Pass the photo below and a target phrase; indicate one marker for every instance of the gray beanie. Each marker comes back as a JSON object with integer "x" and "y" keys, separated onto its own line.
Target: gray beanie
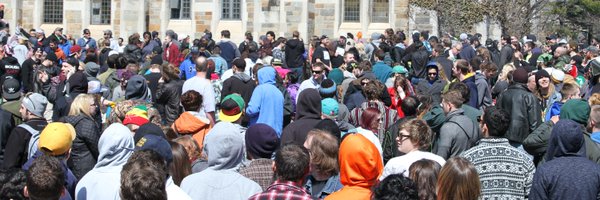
{"x": 35, "y": 103}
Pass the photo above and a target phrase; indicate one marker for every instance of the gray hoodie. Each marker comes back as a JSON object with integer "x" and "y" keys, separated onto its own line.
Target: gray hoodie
{"x": 224, "y": 146}
{"x": 104, "y": 181}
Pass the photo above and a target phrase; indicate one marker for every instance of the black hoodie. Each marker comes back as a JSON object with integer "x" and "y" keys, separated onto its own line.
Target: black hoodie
{"x": 308, "y": 115}
{"x": 294, "y": 49}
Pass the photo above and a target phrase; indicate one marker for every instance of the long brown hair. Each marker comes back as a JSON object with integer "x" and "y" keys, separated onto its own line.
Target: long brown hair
{"x": 180, "y": 167}
{"x": 323, "y": 148}
{"x": 458, "y": 180}
{"x": 425, "y": 173}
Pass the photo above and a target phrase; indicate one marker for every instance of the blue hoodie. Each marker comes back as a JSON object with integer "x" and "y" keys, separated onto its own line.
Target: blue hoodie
{"x": 187, "y": 68}
{"x": 266, "y": 103}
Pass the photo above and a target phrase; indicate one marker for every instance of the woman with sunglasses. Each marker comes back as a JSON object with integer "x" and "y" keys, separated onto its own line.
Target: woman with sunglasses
{"x": 413, "y": 140}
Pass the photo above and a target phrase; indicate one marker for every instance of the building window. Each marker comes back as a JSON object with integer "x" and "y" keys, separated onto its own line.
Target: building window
{"x": 352, "y": 11}
{"x": 180, "y": 9}
{"x": 53, "y": 11}
{"x": 380, "y": 11}
{"x": 231, "y": 9}
{"x": 100, "y": 12}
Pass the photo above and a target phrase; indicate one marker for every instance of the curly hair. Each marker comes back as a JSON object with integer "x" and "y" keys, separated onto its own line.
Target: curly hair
{"x": 12, "y": 182}
{"x": 191, "y": 100}
{"x": 373, "y": 89}
{"x": 395, "y": 187}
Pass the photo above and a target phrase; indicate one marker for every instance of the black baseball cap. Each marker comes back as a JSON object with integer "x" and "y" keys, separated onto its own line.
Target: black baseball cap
{"x": 11, "y": 89}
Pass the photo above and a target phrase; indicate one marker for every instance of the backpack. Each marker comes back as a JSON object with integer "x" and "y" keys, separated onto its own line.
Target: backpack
{"x": 33, "y": 142}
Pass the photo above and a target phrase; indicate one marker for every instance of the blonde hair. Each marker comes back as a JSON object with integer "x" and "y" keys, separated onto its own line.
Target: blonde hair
{"x": 81, "y": 105}
{"x": 191, "y": 147}
{"x": 324, "y": 149}
{"x": 506, "y": 70}
{"x": 594, "y": 99}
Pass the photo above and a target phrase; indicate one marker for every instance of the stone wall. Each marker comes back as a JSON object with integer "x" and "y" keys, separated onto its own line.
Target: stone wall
{"x": 324, "y": 18}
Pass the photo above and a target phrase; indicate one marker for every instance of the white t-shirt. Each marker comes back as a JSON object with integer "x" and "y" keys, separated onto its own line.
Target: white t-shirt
{"x": 205, "y": 88}
{"x": 401, "y": 164}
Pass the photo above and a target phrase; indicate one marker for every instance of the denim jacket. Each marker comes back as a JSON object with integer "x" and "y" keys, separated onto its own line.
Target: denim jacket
{"x": 333, "y": 184}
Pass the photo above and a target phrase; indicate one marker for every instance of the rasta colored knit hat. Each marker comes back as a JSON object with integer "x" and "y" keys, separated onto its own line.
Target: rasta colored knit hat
{"x": 138, "y": 115}
{"x": 261, "y": 140}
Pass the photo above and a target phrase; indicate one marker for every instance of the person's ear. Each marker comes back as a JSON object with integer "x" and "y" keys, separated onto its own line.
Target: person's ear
{"x": 274, "y": 167}
{"x": 25, "y": 192}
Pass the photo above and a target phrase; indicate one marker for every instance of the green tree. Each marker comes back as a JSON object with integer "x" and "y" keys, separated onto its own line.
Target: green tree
{"x": 454, "y": 16}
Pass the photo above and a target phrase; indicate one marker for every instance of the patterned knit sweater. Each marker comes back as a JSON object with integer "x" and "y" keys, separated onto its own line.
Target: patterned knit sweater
{"x": 505, "y": 172}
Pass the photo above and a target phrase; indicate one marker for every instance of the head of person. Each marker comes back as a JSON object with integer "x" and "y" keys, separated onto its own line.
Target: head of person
{"x": 359, "y": 160}
{"x": 542, "y": 79}
{"x": 225, "y": 34}
{"x": 461, "y": 67}
{"x": 452, "y": 100}
{"x": 239, "y": 65}
{"x": 331, "y": 127}
{"x": 86, "y": 33}
{"x": 136, "y": 117}
{"x": 137, "y": 88}
{"x": 191, "y": 100}
{"x": 181, "y": 166}
{"x": 84, "y": 104}
{"x": 292, "y": 163}
{"x": 395, "y": 187}
{"x": 56, "y": 140}
{"x": 261, "y": 141}
{"x": 432, "y": 72}
{"x": 191, "y": 147}
{"x": 379, "y": 55}
{"x": 329, "y": 108}
{"x": 144, "y": 177}
{"x": 370, "y": 119}
{"x": 570, "y": 91}
{"x": 270, "y": 35}
{"x": 12, "y": 183}
{"x": 201, "y": 64}
{"x": 169, "y": 73}
{"x": 566, "y": 140}
{"x": 425, "y": 174}
{"x": 495, "y": 122}
{"x": 224, "y": 147}
{"x": 114, "y": 146}
{"x": 577, "y": 110}
{"x": 318, "y": 71}
{"x": 414, "y": 135}
{"x": 410, "y": 106}
{"x": 33, "y": 105}
{"x": 348, "y": 57}
{"x": 323, "y": 148}
{"x": 372, "y": 89}
{"x": 458, "y": 179}
{"x": 489, "y": 69}
{"x": 232, "y": 108}
{"x": 594, "y": 121}
{"x": 45, "y": 179}
{"x": 107, "y": 34}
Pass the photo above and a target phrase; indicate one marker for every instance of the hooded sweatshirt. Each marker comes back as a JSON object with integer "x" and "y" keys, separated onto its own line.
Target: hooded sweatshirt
{"x": 224, "y": 146}
{"x": 360, "y": 167}
{"x": 137, "y": 89}
{"x": 294, "y": 49}
{"x": 567, "y": 174}
{"x": 239, "y": 83}
{"x": 308, "y": 115}
{"x": 91, "y": 71}
{"x": 266, "y": 104}
{"x": 115, "y": 147}
{"x": 192, "y": 123}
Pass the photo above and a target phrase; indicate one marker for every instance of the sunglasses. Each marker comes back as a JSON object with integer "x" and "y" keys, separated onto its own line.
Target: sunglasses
{"x": 432, "y": 74}
{"x": 403, "y": 137}
{"x": 317, "y": 72}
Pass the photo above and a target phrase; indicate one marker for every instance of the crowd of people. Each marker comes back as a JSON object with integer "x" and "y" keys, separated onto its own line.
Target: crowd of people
{"x": 392, "y": 116}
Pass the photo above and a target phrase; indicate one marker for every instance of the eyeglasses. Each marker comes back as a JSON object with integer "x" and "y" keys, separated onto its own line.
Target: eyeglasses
{"x": 403, "y": 137}
{"x": 317, "y": 72}
{"x": 432, "y": 74}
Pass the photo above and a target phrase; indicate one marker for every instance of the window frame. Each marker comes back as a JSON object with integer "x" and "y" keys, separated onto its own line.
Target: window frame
{"x": 372, "y": 10}
{"x": 51, "y": 16}
{"x": 230, "y": 7}
{"x": 104, "y": 13}
{"x": 183, "y": 10}
{"x": 345, "y": 10}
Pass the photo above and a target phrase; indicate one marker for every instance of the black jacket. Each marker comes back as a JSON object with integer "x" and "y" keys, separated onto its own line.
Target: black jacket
{"x": 133, "y": 53}
{"x": 524, "y": 110}
{"x": 27, "y": 73}
{"x": 294, "y": 50}
{"x": 168, "y": 95}
{"x": 308, "y": 115}
{"x": 84, "y": 151}
{"x": 15, "y": 154}
{"x": 506, "y": 55}
{"x": 418, "y": 60}
{"x": 6, "y": 125}
{"x": 446, "y": 65}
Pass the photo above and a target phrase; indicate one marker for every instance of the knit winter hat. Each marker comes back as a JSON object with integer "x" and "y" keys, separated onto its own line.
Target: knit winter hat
{"x": 520, "y": 76}
{"x": 91, "y": 69}
{"x": 541, "y": 74}
{"x": 78, "y": 83}
{"x": 261, "y": 140}
{"x": 329, "y": 107}
{"x": 336, "y": 75}
{"x": 399, "y": 69}
{"x": 138, "y": 115}
{"x": 137, "y": 88}
{"x": 327, "y": 87}
{"x": 35, "y": 103}
{"x": 577, "y": 110}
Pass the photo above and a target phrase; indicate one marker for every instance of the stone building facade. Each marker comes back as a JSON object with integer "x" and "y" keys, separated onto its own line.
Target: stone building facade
{"x": 193, "y": 17}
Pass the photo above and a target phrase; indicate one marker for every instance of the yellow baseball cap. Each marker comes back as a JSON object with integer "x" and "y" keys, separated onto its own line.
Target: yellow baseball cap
{"x": 56, "y": 138}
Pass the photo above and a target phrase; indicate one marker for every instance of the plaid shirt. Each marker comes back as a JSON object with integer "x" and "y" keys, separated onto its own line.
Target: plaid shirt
{"x": 283, "y": 190}
{"x": 260, "y": 171}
